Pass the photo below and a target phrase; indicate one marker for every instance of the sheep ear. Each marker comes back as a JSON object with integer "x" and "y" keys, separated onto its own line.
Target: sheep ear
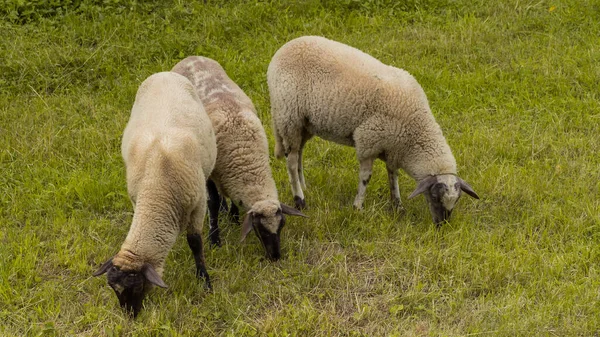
{"x": 104, "y": 268}
{"x": 467, "y": 189}
{"x": 247, "y": 225}
{"x": 291, "y": 210}
{"x": 152, "y": 276}
{"x": 423, "y": 186}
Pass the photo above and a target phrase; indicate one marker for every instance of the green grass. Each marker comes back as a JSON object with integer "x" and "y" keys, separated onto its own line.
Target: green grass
{"x": 514, "y": 85}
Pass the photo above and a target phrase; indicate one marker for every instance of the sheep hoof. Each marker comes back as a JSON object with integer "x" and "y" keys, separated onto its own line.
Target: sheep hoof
{"x": 397, "y": 208}
{"x": 215, "y": 238}
{"x": 203, "y": 275}
{"x": 300, "y": 203}
{"x": 208, "y": 286}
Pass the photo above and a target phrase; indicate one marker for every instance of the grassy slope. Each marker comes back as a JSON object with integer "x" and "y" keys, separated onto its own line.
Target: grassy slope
{"x": 513, "y": 84}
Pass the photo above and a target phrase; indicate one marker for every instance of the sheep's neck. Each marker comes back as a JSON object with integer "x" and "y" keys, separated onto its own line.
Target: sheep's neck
{"x": 426, "y": 153}
{"x": 246, "y": 188}
{"x": 154, "y": 230}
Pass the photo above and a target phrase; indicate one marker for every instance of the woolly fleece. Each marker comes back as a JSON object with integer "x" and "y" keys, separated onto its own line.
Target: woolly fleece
{"x": 326, "y": 88}
{"x": 169, "y": 150}
{"x": 242, "y": 172}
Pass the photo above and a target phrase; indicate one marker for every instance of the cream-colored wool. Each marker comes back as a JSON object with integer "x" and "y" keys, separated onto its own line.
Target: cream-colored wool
{"x": 242, "y": 172}
{"x": 169, "y": 150}
{"x": 339, "y": 93}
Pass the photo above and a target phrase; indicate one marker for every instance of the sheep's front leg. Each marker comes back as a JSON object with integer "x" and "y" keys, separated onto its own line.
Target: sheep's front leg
{"x": 214, "y": 203}
{"x": 364, "y": 175}
{"x": 394, "y": 190}
{"x": 194, "y": 239}
{"x": 292, "y": 168}
{"x": 234, "y": 213}
{"x": 223, "y": 207}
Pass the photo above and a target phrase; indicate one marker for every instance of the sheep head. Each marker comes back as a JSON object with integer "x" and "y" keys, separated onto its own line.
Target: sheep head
{"x": 131, "y": 286}
{"x": 267, "y": 219}
{"x": 442, "y": 193}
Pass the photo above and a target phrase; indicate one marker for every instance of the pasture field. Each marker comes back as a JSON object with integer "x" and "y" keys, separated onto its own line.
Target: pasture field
{"x": 514, "y": 84}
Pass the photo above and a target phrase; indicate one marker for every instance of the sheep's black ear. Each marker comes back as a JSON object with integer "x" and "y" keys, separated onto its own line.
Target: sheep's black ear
{"x": 152, "y": 276}
{"x": 247, "y": 225}
{"x": 291, "y": 210}
{"x": 104, "y": 268}
{"x": 423, "y": 186}
{"x": 467, "y": 189}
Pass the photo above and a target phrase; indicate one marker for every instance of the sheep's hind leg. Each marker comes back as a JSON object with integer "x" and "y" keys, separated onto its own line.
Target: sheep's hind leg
{"x": 305, "y": 137}
{"x": 279, "y": 152}
{"x": 364, "y": 175}
{"x": 214, "y": 203}
{"x": 292, "y": 168}
{"x": 394, "y": 190}
{"x": 194, "y": 239}
{"x": 301, "y": 171}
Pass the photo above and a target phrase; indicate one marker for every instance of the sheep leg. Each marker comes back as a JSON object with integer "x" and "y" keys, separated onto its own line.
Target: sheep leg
{"x": 301, "y": 170}
{"x": 364, "y": 175}
{"x": 394, "y": 190}
{"x": 234, "y": 213}
{"x": 223, "y": 204}
{"x": 305, "y": 137}
{"x": 214, "y": 203}
{"x": 279, "y": 152}
{"x": 195, "y": 243}
{"x": 292, "y": 168}
{"x": 194, "y": 239}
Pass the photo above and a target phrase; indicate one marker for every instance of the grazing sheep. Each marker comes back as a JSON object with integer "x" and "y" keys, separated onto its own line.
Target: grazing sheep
{"x": 325, "y": 88}
{"x": 242, "y": 172}
{"x": 169, "y": 150}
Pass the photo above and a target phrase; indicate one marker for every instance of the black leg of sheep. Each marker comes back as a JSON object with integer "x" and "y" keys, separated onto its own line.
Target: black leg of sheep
{"x": 195, "y": 243}
{"x": 234, "y": 213}
{"x": 214, "y": 204}
{"x": 223, "y": 207}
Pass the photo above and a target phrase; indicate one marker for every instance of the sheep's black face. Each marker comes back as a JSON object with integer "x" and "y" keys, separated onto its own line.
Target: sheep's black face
{"x": 267, "y": 219}
{"x": 442, "y": 199}
{"x": 270, "y": 240}
{"x": 442, "y": 193}
{"x": 130, "y": 288}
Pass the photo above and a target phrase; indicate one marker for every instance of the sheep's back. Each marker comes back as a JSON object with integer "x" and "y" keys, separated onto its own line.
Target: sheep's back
{"x": 335, "y": 87}
{"x": 168, "y": 122}
{"x": 242, "y": 170}
{"x": 210, "y": 80}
